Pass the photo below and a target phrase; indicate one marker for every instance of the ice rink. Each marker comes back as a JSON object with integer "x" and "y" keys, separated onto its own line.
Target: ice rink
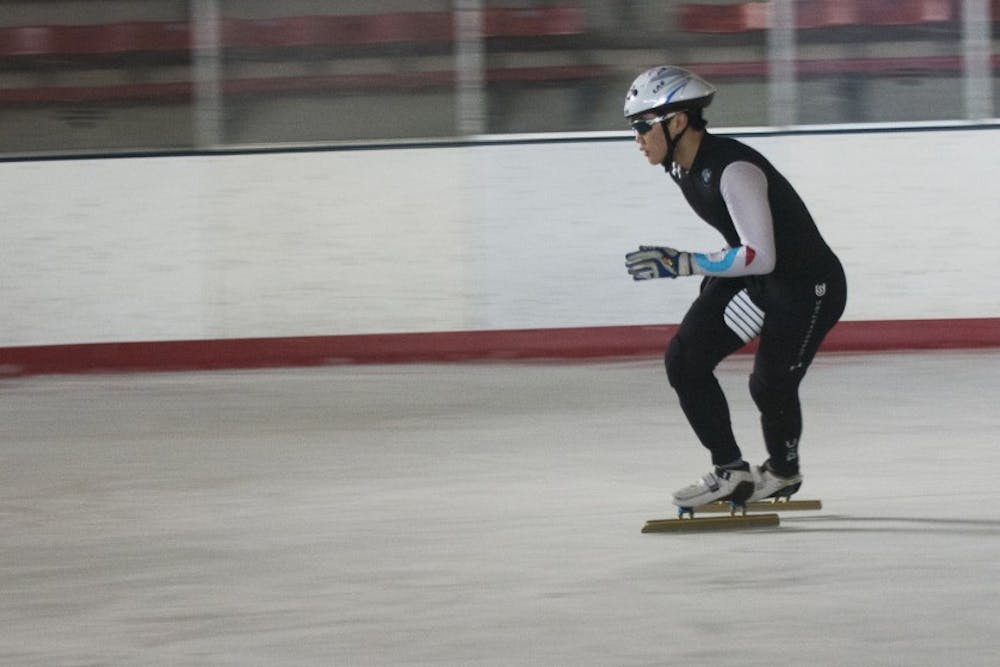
{"x": 489, "y": 514}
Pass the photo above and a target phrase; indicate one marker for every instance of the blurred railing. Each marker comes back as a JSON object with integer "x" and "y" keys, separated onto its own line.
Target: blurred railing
{"x": 210, "y": 73}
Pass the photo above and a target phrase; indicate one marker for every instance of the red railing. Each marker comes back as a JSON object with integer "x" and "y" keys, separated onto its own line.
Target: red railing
{"x": 290, "y": 85}
{"x": 813, "y": 14}
{"x": 330, "y": 31}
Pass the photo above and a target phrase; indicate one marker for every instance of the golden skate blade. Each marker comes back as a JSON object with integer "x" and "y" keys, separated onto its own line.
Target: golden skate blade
{"x": 770, "y": 505}
{"x": 711, "y": 523}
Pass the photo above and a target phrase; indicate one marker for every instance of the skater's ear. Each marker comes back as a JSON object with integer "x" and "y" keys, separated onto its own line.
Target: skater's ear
{"x": 679, "y": 122}
{"x": 694, "y": 119}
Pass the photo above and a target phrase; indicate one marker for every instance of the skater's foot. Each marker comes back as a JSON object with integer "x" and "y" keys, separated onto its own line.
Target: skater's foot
{"x": 771, "y": 484}
{"x": 735, "y": 484}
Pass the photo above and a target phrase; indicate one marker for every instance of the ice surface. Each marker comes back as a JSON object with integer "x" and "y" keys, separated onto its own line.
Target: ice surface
{"x": 489, "y": 514}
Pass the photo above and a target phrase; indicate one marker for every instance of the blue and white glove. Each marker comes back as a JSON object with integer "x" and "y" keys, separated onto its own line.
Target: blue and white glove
{"x": 651, "y": 261}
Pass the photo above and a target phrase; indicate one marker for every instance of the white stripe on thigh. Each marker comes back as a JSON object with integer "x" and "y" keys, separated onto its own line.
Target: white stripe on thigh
{"x": 744, "y": 317}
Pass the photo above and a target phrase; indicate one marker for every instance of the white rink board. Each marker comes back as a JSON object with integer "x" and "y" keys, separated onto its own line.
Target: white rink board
{"x": 461, "y": 238}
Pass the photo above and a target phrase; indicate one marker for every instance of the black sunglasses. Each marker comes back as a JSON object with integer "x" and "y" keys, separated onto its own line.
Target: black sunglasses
{"x": 644, "y": 125}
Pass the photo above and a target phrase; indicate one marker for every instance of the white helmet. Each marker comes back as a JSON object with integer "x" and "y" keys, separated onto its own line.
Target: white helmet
{"x": 665, "y": 89}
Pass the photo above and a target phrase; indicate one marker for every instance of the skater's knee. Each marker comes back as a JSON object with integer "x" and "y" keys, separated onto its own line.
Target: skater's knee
{"x": 672, "y": 361}
{"x": 773, "y": 398}
{"x": 685, "y": 364}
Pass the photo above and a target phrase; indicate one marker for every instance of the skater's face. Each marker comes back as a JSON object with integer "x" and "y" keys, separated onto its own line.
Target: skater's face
{"x": 650, "y": 137}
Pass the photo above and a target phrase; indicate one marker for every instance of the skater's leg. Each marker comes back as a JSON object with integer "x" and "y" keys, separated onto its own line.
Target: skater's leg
{"x": 701, "y": 342}
{"x": 690, "y": 371}
{"x": 777, "y": 398}
{"x": 790, "y": 338}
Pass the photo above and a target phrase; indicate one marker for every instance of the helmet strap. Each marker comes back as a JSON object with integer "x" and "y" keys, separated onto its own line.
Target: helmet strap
{"x": 671, "y": 143}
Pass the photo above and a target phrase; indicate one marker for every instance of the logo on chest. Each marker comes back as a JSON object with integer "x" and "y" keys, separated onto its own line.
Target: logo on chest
{"x": 706, "y": 176}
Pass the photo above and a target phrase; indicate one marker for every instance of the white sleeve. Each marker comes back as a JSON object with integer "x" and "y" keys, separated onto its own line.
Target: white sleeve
{"x": 744, "y": 189}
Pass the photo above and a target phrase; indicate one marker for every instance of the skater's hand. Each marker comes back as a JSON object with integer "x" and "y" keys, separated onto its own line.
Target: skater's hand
{"x": 651, "y": 261}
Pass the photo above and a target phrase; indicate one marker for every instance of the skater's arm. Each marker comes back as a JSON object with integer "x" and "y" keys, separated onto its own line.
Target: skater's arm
{"x": 744, "y": 189}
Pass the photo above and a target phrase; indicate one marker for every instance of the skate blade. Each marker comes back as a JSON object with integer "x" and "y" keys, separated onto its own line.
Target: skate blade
{"x": 769, "y": 505}
{"x": 697, "y": 524}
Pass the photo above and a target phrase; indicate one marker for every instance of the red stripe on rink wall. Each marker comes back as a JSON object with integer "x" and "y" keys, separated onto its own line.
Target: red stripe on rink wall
{"x": 566, "y": 344}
